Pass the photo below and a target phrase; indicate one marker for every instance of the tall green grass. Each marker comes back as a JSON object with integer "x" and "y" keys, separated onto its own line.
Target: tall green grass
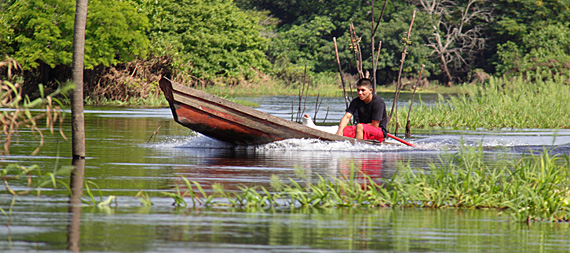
{"x": 499, "y": 103}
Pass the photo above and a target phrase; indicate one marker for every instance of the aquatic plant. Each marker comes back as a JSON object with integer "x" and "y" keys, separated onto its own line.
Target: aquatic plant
{"x": 534, "y": 188}
{"x": 31, "y": 179}
{"x": 144, "y": 198}
{"x": 499, "y": 103}
{"x": 20, "y": 113}
{"x": 179, "y": 196}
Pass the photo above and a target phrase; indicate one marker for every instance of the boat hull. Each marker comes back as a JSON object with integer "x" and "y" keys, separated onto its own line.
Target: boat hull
{"x": 234, "y": 123}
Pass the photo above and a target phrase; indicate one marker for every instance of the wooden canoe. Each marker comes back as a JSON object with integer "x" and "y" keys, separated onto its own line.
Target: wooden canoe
{"x": 234, "y": 123}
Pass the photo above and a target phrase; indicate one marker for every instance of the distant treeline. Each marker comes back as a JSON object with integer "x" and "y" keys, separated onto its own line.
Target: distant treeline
{"x": 204, "y": 40}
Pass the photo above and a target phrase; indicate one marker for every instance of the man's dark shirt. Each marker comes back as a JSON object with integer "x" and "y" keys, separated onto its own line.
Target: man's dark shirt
{"x": 366, "y": 113}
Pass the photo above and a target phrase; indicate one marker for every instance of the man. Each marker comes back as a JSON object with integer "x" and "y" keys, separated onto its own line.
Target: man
{"x": 371, "y": 114}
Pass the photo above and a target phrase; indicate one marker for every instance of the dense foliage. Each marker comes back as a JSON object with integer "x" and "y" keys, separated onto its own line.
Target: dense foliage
{"x": 207, "y": 38}
{"x": 238, "y": 39}
{"x": 41, "y": 31}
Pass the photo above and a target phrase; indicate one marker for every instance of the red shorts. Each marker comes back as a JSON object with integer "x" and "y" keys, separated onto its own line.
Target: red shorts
{"x": 370, "y": 132}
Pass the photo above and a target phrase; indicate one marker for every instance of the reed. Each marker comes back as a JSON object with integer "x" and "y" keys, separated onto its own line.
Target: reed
{"x": 500, "y": 103}
{"x": 21, "y": 115}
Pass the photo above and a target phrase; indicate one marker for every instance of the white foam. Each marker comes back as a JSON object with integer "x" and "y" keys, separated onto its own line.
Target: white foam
{"x": 318, "y": 145}
{"x": 193, "y": 141}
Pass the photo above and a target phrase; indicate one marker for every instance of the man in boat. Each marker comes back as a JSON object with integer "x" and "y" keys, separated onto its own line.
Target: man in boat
{"x": 370, "y": 111}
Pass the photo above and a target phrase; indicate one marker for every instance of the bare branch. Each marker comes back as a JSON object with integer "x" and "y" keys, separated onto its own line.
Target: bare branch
{"x": 457, "y": 37}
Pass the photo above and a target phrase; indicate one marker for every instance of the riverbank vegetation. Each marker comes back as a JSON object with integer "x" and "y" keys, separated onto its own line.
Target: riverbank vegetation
{"x": 226, "y": 45}
{"x": 500, "y": 103}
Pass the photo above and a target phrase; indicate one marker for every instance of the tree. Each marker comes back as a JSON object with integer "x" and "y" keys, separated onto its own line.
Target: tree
{"x": 307, "y": 44}
{"x": 41, "y": 31}
{"x": 544, "y": 50}
{"x": 458, "y": 34}
{"x": 531, "y": 36}
{"x": 307, "y": 28}
{"x": 207, "y": 38}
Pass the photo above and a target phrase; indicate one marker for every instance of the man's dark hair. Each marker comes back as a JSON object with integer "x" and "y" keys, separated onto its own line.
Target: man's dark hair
{"x": 364, "y": 82}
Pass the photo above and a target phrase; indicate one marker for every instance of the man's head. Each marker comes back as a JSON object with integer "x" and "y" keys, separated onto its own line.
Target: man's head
{"x": 364, "y": 88}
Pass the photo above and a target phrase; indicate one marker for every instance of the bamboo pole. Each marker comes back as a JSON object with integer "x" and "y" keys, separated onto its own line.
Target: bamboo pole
{"x": 375, "y": 65}
{"x": 408, "y": 133}
{"x": 357, "y": 53}
{"x": 373, "y": 79}
{"x": 340, "y": 72}
{"x": 374, "y": 28}
{"x": 380, "y": 19}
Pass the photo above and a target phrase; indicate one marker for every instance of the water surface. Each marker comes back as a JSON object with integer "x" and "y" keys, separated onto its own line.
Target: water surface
{"x": 123, "y": 159}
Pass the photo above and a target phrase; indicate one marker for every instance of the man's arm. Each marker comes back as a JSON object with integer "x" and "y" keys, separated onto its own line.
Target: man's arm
{"x": 343, "y": 123}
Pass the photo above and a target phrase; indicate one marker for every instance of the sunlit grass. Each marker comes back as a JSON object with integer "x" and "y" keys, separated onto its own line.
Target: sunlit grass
{"x": 534, "y": 188}
{"x": 500, "y": 103}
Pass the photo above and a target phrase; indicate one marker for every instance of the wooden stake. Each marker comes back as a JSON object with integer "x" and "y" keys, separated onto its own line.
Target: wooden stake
{"x": 399, "y": 84}
{"x": 408, "y": 123}
{"x": 357, "y": 53}
{"x": 340, "y": 72}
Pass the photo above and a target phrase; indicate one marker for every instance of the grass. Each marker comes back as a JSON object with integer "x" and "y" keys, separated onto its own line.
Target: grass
{"x": 533, "y": 188}
{"x": 500, "y": 103}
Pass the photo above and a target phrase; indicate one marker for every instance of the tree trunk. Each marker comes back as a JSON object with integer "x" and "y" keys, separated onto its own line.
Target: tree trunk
{"x": 446, "y": 70}
{"x": 77, "y": 117}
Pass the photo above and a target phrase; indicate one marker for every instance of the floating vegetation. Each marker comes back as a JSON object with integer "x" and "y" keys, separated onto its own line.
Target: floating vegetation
{"x": 534, "y": 188}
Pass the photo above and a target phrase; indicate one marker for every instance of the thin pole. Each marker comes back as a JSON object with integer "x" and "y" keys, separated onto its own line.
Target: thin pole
{"x": 372, "y": 48}
{"x": 399, "y": 84}
{"x": 408, "y": 133}
{"x": 340, "y": 72}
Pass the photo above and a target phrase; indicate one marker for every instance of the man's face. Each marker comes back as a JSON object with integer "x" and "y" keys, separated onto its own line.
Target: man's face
{"x": 364, "y": 93}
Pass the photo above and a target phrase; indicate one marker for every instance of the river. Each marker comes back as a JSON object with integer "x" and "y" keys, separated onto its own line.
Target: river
{"x": 123, "y": 159}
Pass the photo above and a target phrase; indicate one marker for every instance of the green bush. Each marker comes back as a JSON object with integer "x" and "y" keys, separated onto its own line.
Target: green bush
{"x": 207, "y": 38}
{"x": 545, "y": 50}
{"x": 42, "y": 31}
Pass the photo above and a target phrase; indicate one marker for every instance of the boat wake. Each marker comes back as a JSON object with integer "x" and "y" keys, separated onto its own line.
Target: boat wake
{"x": 445, "y": 142}
{"x": 204, "y": 142}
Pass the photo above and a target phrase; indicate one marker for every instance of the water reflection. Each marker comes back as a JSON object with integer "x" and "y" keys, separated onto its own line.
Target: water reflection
{"x": 233, "y": 167}
{"x": 381, "y": 229}
{"x": 76, "y": 186}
